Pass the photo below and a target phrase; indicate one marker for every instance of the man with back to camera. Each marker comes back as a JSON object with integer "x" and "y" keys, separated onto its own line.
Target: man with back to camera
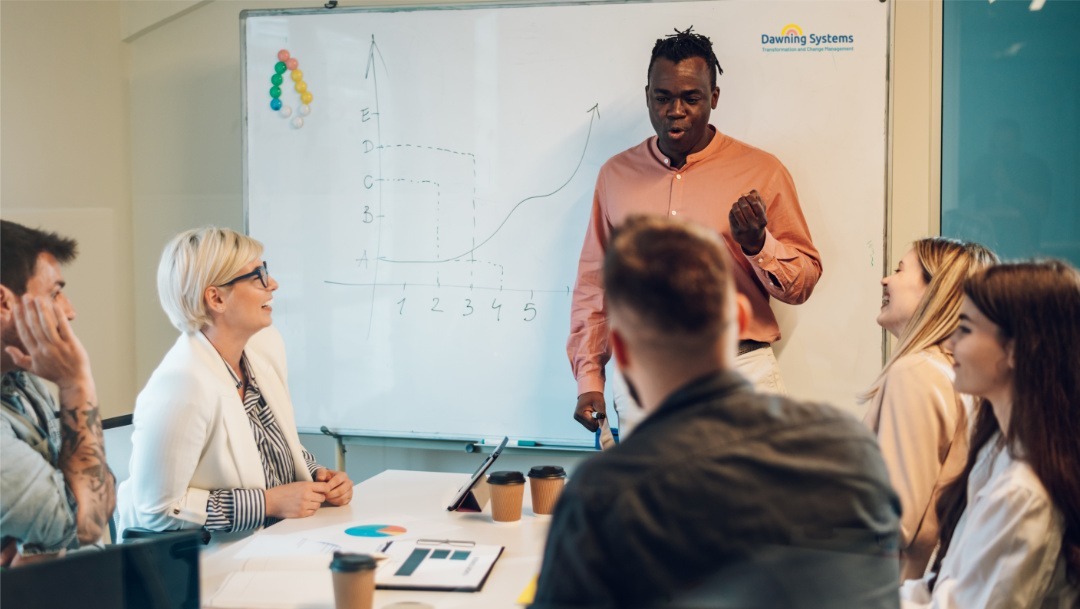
{"x": 56, "y": 490}
{"x": 722, "y": 497}
{"x": 690, "y": 170}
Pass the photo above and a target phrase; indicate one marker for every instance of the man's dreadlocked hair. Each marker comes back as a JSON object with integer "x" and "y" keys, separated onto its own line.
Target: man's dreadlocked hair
{"x": 684, "y": 45}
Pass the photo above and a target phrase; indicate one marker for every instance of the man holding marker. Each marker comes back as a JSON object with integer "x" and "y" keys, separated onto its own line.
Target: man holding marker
{"x": 723, "y": 496}
{"x": 689, "y": 170}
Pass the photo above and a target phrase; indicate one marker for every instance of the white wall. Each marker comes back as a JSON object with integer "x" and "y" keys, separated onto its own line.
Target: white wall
{"x": 184, "y": 87}
{"x": 64, "y": 120}
{"x": 129, "y": 114}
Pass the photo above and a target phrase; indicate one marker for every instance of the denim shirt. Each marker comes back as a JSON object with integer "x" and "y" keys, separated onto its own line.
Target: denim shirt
{"x": 36, "y": 507}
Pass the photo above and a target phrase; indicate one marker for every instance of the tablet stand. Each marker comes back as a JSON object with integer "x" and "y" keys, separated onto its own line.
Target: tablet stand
{"x": 476, "y": 499}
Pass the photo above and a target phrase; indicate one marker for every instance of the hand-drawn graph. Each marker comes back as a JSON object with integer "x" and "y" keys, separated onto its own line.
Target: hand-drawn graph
{"x": 442, "y": 207}
{"x": 427, "y": 245}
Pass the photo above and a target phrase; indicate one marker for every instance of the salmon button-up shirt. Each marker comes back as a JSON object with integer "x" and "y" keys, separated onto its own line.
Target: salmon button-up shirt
{"x": 642, "y": 181}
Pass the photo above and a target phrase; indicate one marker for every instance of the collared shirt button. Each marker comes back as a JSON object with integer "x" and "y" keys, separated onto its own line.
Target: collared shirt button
{"x": 761, "y": 261}
{"x": 673, "y": 212}
{"x": 678, "y": 176}
{"x": 667, "y": 161}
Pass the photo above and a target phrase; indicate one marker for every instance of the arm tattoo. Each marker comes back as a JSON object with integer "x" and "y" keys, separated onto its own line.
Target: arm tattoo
{"x": 82, "y": 458}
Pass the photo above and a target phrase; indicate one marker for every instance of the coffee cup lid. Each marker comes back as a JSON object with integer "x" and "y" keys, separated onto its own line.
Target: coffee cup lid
{"x": 547, "y": 471}
{"x": 346, "y": 562}
{"x": 506, "y": 478}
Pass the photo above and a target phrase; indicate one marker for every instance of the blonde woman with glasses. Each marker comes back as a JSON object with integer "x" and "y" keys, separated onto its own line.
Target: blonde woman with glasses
{"x": 215, "y": 444}
{"x": 919, "y": 418}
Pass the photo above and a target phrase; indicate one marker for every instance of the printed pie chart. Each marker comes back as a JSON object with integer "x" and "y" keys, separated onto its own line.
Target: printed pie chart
{"x": 375, "y": 530}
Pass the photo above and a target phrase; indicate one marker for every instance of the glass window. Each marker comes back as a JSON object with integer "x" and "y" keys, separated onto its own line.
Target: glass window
{"x": 1011, "y": 126}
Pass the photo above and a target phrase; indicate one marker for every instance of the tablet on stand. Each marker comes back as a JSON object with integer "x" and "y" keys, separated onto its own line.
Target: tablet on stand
{"x": 473, "y": 497}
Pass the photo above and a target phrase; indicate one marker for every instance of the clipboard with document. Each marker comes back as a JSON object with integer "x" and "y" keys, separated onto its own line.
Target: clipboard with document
{"x": 446, "y": 565}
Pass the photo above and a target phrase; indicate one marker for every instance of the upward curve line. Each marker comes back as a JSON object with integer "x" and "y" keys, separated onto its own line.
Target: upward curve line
{"x": 595, "y": 112}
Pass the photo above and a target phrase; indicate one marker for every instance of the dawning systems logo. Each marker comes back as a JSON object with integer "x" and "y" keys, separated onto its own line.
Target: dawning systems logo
{"x": 792, "y": 39}
{"x": 791, "y": 29}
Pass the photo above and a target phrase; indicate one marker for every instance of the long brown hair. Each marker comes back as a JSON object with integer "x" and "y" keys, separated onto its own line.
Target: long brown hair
{"x": 1036, "y": 307}
{"x": 946, "y": 264}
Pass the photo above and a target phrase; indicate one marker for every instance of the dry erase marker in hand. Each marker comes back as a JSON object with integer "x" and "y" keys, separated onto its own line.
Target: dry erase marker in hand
{"x": 604, "y": 436}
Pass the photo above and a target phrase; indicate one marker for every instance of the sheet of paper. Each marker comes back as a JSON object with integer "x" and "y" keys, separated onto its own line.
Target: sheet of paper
{"x": 274, "y": 590}
{"x": 298, "y": 544}
{"x": 369, "y": 535}
{"x": 313, "y": 562}
{"x": 366, "y": 536}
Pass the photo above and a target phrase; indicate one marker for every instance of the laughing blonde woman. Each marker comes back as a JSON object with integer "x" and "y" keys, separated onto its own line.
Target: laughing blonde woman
{"x": 919, "y": 419}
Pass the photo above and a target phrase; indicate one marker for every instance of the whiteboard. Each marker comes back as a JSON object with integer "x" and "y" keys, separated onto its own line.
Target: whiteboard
{"x": 425, "y": 221}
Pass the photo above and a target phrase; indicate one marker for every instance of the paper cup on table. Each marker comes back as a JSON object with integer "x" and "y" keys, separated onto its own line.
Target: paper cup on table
{"x": 354, "y": 580}
{"x": 507, "y": 493}
{"x": 546, "y": 484}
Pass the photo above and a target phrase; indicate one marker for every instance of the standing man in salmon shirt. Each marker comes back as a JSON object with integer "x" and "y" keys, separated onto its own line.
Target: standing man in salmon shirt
{"x": 691, "y": 171}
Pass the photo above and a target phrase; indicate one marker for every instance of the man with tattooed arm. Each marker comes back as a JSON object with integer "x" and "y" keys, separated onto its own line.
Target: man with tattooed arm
{"x": 56, "y": 491}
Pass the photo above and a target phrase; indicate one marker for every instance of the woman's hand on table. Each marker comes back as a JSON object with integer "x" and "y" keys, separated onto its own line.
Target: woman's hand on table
{"x": 296, "y": 500}
{"x": 339, "y": 488}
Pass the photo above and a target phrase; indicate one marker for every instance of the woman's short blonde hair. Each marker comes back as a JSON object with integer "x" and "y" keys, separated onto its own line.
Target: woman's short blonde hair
{"x": 195, "y": 260}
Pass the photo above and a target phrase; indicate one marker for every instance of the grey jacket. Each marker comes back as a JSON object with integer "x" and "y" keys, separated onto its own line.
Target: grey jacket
{"x": 723, "y": 497}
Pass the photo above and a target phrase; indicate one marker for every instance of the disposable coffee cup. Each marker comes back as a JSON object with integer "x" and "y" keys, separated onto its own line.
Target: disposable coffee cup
{"x": 546, "y": 484}
{"x": 507, "y": 493}
{"x": 354, "y": 580}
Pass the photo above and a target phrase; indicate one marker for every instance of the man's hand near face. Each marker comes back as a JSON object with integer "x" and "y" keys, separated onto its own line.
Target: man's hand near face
{"x": 51, "y": 351}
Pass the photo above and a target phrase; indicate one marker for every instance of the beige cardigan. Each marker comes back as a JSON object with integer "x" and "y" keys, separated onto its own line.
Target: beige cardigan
{"x": 921, "y": 425}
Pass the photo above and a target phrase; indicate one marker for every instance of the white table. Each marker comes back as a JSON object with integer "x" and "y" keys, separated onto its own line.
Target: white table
{"x": 423, "y": 496}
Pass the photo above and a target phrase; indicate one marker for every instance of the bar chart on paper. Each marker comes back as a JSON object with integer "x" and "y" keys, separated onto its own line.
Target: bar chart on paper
{"x": 448, "y": 565}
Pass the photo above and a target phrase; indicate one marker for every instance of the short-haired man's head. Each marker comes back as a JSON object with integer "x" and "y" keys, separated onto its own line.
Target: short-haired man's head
{"x": 20, "y": 248}
{"x": 675, "y": 278}
{"x": 195, "y": 260}
{"x": 684, "y": 45}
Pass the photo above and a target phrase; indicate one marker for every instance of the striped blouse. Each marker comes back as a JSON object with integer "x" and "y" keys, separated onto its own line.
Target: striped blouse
{"x": 242, "y": 509}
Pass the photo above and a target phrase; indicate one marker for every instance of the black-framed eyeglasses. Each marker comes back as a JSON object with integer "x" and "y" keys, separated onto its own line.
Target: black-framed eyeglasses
{"x": 261, "y": 271}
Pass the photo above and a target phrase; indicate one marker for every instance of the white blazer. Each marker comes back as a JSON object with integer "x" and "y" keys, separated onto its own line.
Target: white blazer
{"x": 192, "y": 435}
